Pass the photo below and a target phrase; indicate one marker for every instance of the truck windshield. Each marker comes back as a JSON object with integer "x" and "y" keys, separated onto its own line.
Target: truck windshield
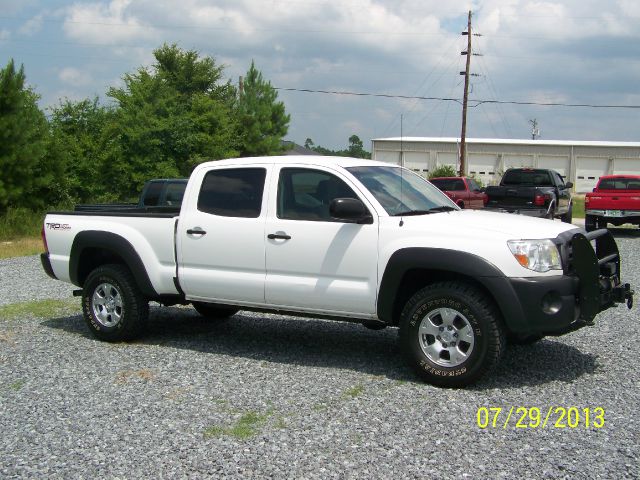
{"x": 404, "y": 193}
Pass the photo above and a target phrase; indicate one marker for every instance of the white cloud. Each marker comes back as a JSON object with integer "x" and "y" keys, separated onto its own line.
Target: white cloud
{"x": 111, "y": 23}
{"x": 75, "y": 77}
{"x": 32, "y": 26}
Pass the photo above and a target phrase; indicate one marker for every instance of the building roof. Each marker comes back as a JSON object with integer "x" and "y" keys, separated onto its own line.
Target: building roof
{"x": 511, "y": 141}
{"x": 295, "y": 149}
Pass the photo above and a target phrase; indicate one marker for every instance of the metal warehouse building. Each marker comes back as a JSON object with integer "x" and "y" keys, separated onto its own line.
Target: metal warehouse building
{"x": 582, "y": 163}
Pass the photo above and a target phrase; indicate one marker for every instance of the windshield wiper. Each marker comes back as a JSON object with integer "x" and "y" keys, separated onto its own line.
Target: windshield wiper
{"x": 408, "y": 213}
{"x": 443, "y": 208}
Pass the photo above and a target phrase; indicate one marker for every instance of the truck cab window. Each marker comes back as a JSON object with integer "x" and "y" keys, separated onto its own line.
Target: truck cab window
{"x": 232, "y": 192}
{"x": 305, "y": 194}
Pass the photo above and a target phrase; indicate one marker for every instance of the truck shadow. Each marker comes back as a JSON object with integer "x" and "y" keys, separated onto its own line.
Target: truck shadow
{"x": 330, "y": 344}
{"x": 619, "y": 232}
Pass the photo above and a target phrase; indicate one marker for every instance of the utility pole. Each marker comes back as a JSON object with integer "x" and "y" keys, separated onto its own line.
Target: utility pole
{"x": 463, "y": 134}
{"x": 535, "y": 131}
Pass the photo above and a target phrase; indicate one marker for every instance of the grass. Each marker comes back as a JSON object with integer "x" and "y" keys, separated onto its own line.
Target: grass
{"x": 354, "y": 392}
{"x": 40, "y": 309}
{"x": 247, "y": 426}
{"x": 21, "y": 247}
{"x": 578, "y": 206}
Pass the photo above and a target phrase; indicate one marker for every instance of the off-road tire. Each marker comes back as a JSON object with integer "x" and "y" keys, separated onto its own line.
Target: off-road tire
{"x": 480, "y": 315}
{"x": 213, "y": 311}
{"x": 568, "y": 217}
{"x": 128, "y": 317}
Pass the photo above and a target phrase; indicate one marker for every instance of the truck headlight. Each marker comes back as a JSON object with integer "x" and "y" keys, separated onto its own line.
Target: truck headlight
{"x": 536, "y": 255}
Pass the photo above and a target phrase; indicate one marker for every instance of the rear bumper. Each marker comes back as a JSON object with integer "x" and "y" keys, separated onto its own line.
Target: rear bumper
{"x": 617, "y": 217}
{"x": 46, "y": 265}
{"x": 590, "y": 284}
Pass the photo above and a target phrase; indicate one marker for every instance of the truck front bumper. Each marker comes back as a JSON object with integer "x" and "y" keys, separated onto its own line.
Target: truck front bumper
{"x": 590, "y": 284}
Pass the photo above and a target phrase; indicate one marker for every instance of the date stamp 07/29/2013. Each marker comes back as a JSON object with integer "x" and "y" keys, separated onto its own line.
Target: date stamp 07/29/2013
{"x": 534, "y": 417}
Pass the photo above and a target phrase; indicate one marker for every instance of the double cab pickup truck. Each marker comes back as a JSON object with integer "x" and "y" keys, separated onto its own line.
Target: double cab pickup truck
{"x": 464, "y": 191}
{"x": 344, "y": 239}
{"x": 533, "y": 192}
{"x": 615, "y": 200}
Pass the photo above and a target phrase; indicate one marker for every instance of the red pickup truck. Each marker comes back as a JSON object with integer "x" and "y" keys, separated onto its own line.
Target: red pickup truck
{"x": 464, "y": 191}
{"x": 615, "y": 200}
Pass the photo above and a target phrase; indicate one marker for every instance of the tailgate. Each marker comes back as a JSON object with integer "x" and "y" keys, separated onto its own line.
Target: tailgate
{"x": 510, "y": 197}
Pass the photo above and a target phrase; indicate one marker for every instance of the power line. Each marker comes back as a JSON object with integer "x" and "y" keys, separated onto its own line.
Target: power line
{"x": 476, "y": 102}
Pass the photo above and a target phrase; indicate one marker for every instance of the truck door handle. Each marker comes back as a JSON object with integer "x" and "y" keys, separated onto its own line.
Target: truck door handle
{"x": 278, "y": 236}
{"x": 192, "y": 231}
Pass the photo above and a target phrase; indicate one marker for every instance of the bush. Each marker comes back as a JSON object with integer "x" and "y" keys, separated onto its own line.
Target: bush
{"x": 443, "y": 171}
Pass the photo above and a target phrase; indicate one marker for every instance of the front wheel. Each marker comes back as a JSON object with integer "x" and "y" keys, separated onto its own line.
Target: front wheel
{"x": 451, "y": 334}
{"x": 112, "y": 304}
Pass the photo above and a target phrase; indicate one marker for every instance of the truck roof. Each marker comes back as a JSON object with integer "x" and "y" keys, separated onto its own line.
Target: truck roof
{"x": 301, "y": 159}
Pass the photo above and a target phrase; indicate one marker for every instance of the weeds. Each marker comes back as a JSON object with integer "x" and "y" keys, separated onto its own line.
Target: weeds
{"x": 247, "y": 426}
{"x": 48, "y": 308}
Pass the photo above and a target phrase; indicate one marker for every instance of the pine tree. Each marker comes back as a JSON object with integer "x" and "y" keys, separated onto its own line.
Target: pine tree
{"x": 23, "y": 136}
{"x": 263, "y": 120}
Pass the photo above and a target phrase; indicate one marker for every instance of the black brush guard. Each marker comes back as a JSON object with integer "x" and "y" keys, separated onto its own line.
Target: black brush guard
{"x": 597, "y": 270}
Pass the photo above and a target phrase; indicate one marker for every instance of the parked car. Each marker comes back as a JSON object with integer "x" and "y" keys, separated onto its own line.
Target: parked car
{"x": 615, "y": 200}
{"x": 344, "y": 239}
{"x": 534, "y": 192}
{"x": 158, "y": 193}
{"x": 464, "y": 191}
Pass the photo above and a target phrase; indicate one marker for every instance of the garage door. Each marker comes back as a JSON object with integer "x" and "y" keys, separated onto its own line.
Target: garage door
{"x": 516, "y": 161}
{"x": 483, "y": 167}
{"x": 448, "y": 158}
{"x": 627, "y": 165}
{"x": 389, "y": 157}
{"x": 588, "y": 171}
{"x": 418, "y": 162}
{"x": 559, "y": 163}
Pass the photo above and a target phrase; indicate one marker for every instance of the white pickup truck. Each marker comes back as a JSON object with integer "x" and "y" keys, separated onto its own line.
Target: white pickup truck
{"x": 344, "y": 239}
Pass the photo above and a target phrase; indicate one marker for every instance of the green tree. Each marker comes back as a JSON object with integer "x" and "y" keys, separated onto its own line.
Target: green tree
{"x": 356, "y": 148}
{"x": 23, "y": 137}
{"x": 168, "y": 119}
{"x": 78, "y": 141}
{"x": 263, "y": 120}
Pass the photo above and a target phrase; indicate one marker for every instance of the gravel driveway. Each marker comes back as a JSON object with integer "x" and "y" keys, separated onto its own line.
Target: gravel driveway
{"x": 265, "y": 396}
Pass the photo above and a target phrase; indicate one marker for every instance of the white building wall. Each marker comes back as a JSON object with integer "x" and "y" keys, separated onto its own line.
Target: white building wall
{"x": 579, "y": 162}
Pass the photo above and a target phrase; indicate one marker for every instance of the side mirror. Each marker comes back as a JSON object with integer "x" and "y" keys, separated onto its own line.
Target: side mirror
{"x": 595, "y": 189}
{"x": 349, "y": 210}
{"x": 569, "y": 184}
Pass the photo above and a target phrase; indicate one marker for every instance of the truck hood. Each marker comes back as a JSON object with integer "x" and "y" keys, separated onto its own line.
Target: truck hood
{"x": 481, "y": 224}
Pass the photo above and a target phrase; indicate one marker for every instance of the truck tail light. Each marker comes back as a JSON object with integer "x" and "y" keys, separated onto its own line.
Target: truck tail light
{"x": 44, "y": 240}
{"x": 539, "y": 199}
{"x": 586, "y": 200}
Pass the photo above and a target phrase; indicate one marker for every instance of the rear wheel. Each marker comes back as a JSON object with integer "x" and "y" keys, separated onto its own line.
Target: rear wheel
{"x": 213, "y": 311}
{"x": 451, "y": 334}
{"x": 112, "y": 304}
{"x": 590, "y": 223}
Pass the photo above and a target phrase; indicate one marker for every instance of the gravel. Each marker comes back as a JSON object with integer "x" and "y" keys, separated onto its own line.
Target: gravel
{"x": 329, "y": 399}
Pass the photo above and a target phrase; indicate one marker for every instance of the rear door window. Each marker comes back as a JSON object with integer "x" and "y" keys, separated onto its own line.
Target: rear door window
{"x": 235, "y": 192}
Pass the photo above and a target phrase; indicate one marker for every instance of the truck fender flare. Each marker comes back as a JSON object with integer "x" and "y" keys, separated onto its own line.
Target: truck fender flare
{"x": 484, "y": 273}
{"x": 116, "y": 246}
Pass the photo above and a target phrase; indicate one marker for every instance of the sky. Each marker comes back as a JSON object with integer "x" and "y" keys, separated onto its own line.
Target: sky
{"x": 572, "y": 52}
